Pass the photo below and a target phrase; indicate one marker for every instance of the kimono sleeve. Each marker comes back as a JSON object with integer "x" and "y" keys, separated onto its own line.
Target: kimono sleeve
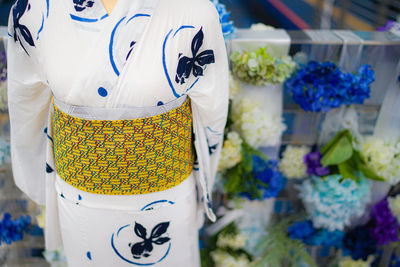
{"x": 210, "y": 100}
{"x": 28, "y": 100}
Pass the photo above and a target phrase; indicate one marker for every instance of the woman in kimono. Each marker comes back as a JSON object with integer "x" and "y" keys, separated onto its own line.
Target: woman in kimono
{"x": 117, "y": 121}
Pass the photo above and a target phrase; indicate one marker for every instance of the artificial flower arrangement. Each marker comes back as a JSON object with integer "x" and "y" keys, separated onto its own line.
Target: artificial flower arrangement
{"x": 260, "y": 68}
{"x": 338, "y": 190}
{"x": 361, "y": 245}
{"x": 258, "y": 123}
{"x": 227, "y": 248}
{"x": 288, "y": 242}
{"x": 323, "y": 86}
{"x": 253, "y": 177}
{"x": 247, "y": 172}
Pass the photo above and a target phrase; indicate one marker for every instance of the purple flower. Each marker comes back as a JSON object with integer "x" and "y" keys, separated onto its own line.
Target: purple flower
{"x": 387, "y": 27}
{"x": 313, "y": 163}
{"x": 383, "y": 226}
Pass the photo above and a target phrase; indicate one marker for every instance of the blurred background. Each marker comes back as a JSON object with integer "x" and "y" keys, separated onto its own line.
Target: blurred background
{"x": 360, "y": 15}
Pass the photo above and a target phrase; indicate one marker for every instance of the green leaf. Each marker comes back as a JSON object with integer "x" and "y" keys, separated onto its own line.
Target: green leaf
{"x": 347, "y": 170}
{"x": 362, "y": 167}
{"x": 338, "y": 153}
{"x": 359, "y": 157}
{"x": 370, "y": 174}
{"x": 334, "y": 141}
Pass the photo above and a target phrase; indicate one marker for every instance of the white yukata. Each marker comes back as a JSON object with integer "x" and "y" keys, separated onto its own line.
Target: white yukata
{"x": 145, "y": 55}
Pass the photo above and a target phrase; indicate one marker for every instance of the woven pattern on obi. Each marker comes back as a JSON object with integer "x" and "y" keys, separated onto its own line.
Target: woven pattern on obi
{"x": 124, "y": 157}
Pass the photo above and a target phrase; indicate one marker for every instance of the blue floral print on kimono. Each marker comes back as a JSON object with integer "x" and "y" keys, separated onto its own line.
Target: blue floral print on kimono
{"x": 19, "y": 9}
{"x": 197, "y": 62}
{"x": 81, "y": 5}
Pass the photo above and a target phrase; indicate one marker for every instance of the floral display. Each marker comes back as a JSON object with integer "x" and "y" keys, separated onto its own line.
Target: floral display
{"x": 231, "y": 153}
{"x": 292, "y": 164}
{"x": 333, "y": 201}
{"x": 254, "y": 177}
{"x": 13, "y": 231}
{"x": 394, "y": 205}
{"x": 383, "y": 226}
{"x": 349, "y": 262}
{"x": 313, "y": 163}
{"x": 323, "y": 86}
{"x": 383, "y": 157}
{"x": 255, "y": 126}
{"x": 228, "y": 28}
{"x": 358, "y": 244}
{"x": 260, "y": 68}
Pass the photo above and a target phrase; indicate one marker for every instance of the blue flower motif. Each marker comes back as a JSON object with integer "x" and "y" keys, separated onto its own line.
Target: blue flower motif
{"x": 145, "y": 247}
{"x": 81, "y": 5}
{"x": 197, "y": 63}
{"x": 323, "y": 86}
{"x": 18, "y": 10}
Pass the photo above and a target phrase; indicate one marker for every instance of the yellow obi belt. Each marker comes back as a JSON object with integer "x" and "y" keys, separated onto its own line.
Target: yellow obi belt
{"x": 124, "y": 157}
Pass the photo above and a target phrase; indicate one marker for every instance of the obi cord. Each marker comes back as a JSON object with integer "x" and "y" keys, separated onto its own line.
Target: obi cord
{"x": 124, "y": 157}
